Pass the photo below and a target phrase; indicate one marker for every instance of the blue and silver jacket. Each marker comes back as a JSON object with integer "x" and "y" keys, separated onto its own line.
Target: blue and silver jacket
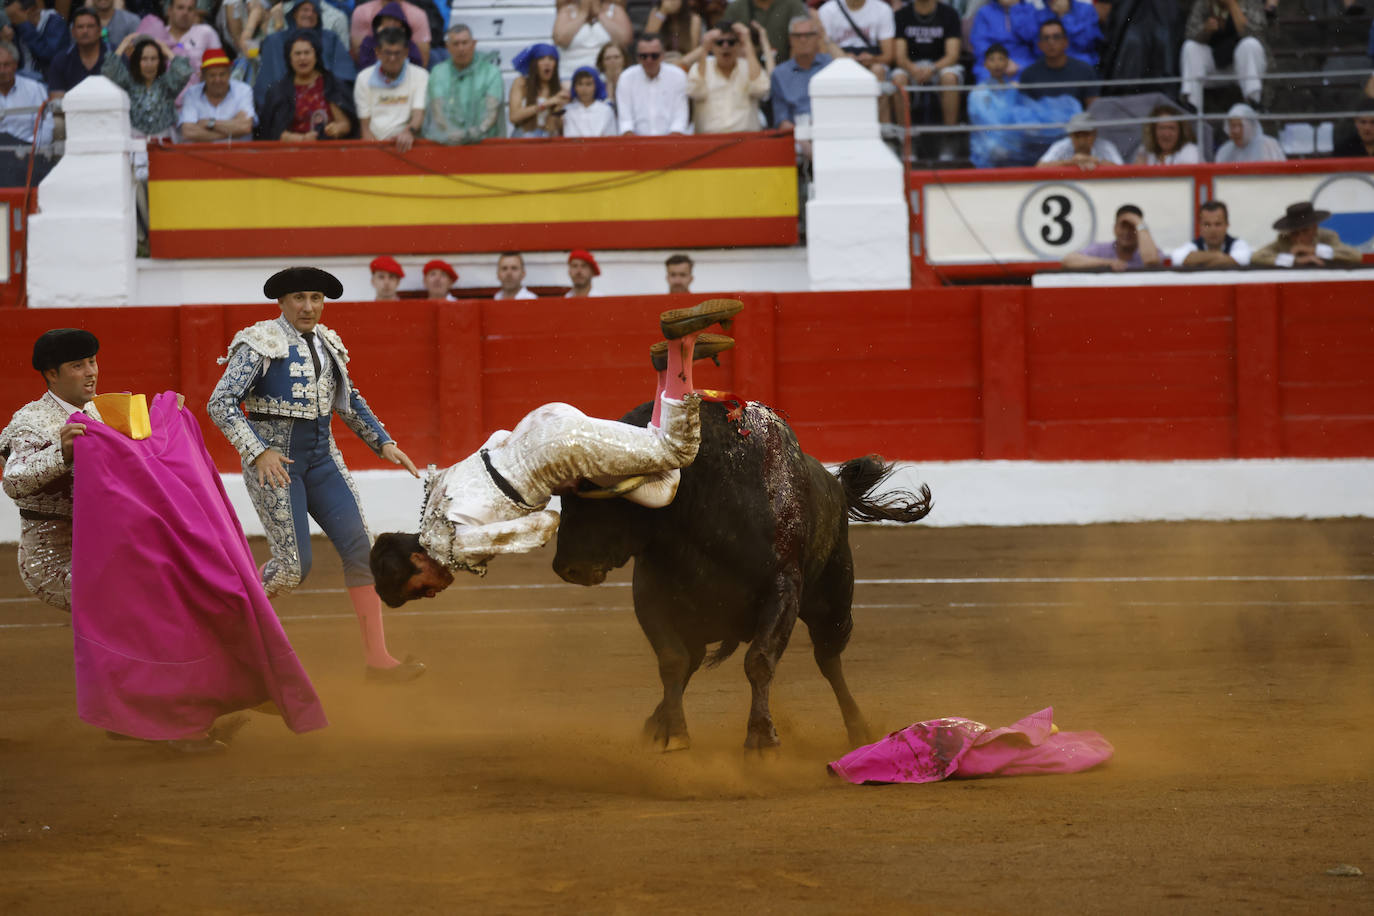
{"x": 269, "y": 371}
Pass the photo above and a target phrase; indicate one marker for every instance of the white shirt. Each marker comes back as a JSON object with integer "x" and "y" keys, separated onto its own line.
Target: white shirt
{"x": 874, "y": 18}
{"x": 1062, "y": 149}
{"x": 390, "y": 107}
{"x": 196, "y": 107}
{"x": 590, "y": 293}
{"x": 1187, "y": 155}
{"x": 1240, "y": 252}
{"x": 594, "y": 120}
{"x": 524, "y": 293}
{"x": 27, "y": 93}
{"x": 652, "y": 107}
{"x": 726, "y": 104}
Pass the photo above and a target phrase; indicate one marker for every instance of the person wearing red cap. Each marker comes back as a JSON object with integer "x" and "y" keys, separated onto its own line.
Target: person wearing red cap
{"x": 439, "y": 278}
{"x": 581, "y": 268}
{"x": 217, "y": 109}
{"x": 386, "y": 277}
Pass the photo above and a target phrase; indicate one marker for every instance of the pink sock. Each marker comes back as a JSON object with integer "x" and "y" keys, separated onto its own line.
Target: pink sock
{"x": 658, "y": 395}
{"x": 678, "y": 381}
{"x": 368, "y": 606}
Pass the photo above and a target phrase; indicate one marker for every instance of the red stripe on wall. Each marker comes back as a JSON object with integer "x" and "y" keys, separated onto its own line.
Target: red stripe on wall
{"x": 630, "y": 234}
{"x": 915, "y": 375}
{"x": 201, "y": 161}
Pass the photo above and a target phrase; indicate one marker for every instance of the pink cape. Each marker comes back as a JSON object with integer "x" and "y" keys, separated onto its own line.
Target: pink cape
{"x": 172, "y": 627}
{"x": 957, "y": 748}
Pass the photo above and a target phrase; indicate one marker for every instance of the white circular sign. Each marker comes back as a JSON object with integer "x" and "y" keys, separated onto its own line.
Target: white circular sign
{"x": 1350, "y": 198}
{"x": 1055, "y": 219}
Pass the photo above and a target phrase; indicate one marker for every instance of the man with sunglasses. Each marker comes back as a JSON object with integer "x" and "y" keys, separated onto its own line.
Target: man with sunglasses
{"x": 652, "y": 98}
{"x": 791, "y": 83}
{"x": 1056, "y": 66}
{"x": 727, "y": 83}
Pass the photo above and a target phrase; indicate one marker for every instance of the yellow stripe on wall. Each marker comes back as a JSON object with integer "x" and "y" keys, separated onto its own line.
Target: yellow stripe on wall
{"x": 409, "y": 200}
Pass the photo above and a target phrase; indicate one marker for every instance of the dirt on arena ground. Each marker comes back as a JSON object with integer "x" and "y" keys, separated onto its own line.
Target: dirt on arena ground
{"x": 1232, "y": 666}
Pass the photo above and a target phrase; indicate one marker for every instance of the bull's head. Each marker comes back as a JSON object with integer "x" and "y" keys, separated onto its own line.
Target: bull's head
{"x": 596, "y": 536}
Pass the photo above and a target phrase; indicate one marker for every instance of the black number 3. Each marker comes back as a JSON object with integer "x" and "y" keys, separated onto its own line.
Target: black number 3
{"x": 1059, "y": 218}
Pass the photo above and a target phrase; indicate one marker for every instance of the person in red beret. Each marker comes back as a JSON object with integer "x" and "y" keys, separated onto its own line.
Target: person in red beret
{"x": 386, "y": 277}
{"x": 581, "y": 268}
{"x": 439, "y": 278}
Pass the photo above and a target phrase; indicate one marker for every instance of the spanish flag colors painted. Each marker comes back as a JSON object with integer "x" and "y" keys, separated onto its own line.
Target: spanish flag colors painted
{"x": 260, "y": 199}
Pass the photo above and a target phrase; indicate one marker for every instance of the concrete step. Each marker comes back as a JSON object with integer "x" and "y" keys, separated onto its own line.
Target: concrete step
{"x": 526, "y": 23}
{"x": 460, "y": 7}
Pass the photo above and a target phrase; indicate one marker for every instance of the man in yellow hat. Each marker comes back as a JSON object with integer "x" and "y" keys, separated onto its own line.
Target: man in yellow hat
{"x": 218, "y": 108}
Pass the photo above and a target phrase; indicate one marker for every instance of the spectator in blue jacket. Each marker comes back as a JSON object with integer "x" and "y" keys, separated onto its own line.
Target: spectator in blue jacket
{"x": 1008, "y": 23}
{"x": 40, "y": 32}
{"x": 1081, "y": 24}
{"x": 301, "y": 16}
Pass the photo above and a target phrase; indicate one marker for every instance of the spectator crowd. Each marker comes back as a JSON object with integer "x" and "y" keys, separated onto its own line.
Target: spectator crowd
{"x": 401, "y": 71}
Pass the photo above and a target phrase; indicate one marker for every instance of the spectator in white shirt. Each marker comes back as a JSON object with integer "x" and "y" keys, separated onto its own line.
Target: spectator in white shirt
{"x": 390, "y": 94}
{"x": 1082, "y": 147}
{"x": 865, "y": 31}
{"x": 652, "y": 98}
{"x": 1214, "y": 247}
{"x": 588, "y": 115}
{"x": 217, "y": 109}
{"x": 510, "y": 273}
{"x": 21, "y": 92}
{"x": 727, "y": 89}
{"x": 1167, "y": 142}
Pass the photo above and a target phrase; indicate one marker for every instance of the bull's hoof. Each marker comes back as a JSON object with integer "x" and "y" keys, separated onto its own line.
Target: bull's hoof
{"x": 658, "y": 734}
{"x": 762, "y": 739}
{"x": 677, "y": 743}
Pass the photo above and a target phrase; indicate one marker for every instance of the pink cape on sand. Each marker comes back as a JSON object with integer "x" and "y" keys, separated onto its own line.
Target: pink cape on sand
{"x": 956, "y": 748}
{"x": 172, "y": 627}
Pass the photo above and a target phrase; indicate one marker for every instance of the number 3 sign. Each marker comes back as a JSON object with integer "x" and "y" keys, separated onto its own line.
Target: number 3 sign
{"x": 1055, "y": 219}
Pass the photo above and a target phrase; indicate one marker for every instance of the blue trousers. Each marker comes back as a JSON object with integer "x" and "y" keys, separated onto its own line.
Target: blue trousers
{"x": 320, "y": 488}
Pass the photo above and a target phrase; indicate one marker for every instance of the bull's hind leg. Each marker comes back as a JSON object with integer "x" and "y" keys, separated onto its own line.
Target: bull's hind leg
{"x": 829, "y": 619}
{"x": 776, "y": 620}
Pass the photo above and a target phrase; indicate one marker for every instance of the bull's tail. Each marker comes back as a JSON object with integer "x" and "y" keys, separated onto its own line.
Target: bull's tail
{"x": 722, "y": 652}
{"x": 860, "y": 476}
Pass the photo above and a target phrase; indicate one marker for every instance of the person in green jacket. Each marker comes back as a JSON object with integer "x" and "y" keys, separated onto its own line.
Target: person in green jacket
{"x": 463, "y": 101}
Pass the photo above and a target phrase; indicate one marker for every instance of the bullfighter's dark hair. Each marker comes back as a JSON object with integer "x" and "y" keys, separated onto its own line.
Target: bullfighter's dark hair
{"x": 1053, "y": 20}
{"x": 392, "y": 566}
{"x": 1129, "y": 208}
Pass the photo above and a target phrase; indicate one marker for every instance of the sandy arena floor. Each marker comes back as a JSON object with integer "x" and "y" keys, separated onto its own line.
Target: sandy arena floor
{"x": 1232, "y": 665}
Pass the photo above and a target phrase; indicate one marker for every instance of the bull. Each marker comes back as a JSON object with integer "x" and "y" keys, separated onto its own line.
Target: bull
{"x": 757, "y": 537}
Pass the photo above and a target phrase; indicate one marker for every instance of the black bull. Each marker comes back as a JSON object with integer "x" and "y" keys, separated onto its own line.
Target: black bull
{"x": 757, "y": 537}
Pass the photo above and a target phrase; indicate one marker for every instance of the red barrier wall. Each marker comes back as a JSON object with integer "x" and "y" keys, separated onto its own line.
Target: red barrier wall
{"x": 1015, "y": 373}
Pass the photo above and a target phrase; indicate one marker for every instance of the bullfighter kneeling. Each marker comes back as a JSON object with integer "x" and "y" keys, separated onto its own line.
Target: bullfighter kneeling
{"x": 291, "y": 373}
{"x": 493, "y": 502}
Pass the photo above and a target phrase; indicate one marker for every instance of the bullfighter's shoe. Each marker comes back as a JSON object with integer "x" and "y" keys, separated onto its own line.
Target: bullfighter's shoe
{"x": 407, "y": 670}
{"x": 707, "y": 346}
{"x": 681, "y": 322}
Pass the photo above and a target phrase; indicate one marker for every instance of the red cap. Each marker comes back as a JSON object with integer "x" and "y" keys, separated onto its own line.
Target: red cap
{"x": 438, "y": 264}
{"x": 583, "y": 254}
{"x": 214, "y": 57}
{"x": 387, "y": 263}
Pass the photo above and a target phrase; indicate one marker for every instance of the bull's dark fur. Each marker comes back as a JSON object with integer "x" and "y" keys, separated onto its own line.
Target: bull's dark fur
{"x": 756, "y": 539}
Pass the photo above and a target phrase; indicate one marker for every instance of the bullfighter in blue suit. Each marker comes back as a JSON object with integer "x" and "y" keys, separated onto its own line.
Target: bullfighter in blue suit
{"x": 291, "y": 376}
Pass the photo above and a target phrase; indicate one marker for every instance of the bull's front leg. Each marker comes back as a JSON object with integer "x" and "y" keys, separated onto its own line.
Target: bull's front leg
{"x": 667, "y": 727}
{"x": 776, "y": 620}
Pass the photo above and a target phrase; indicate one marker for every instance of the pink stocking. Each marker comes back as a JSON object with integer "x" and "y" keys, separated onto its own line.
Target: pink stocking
{"x": 368, "y": 606}
{"x": 678, "y": 381}
{"x": 661, "y": 384}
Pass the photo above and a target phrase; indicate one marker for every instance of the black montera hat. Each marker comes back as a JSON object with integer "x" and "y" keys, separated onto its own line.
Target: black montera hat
{"x": 302, "y": 280}
{"x": 63, "y": 345}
